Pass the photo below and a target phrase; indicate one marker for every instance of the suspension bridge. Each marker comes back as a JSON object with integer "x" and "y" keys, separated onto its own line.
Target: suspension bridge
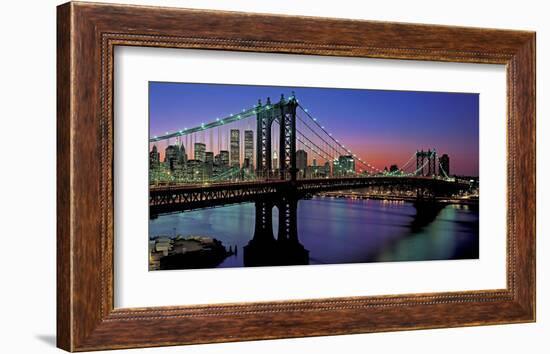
{"x": 287, "y": 154}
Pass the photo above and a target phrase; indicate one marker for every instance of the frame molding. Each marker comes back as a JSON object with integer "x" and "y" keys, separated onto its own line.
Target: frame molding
{"x": 87, "y": 36}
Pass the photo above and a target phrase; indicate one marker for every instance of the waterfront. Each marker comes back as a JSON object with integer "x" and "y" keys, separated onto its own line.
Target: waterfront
{"x": 343, "y": 230}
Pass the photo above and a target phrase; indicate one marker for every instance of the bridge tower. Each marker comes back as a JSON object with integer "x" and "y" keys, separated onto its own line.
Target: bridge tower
{"x": 260, "y": 249}
{"x": 264, "y": 118}
{"x": 431, "y": 165}
{"x": 284, "y": 112}
{"x": 419, "y": 163}
{"x": 287, "y": 143}
{"x": 263, "y": 228}
{"x": 288, "y": 228}
{"x": 426, "y": 159}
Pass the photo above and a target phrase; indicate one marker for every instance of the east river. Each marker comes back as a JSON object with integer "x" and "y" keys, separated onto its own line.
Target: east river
{"x": 343, "y": 230}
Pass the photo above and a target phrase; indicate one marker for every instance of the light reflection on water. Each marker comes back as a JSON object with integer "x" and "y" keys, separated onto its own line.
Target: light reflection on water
{"x": 343, "y": 230}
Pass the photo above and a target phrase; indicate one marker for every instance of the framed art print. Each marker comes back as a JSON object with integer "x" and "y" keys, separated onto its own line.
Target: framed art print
{"x": 307, "y": 177}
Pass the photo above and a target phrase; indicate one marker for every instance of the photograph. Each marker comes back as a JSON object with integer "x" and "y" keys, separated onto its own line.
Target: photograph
{"x": 246, "y": 176}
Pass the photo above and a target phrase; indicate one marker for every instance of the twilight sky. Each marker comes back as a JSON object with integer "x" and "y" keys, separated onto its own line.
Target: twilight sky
{"x": 382, "y": 127}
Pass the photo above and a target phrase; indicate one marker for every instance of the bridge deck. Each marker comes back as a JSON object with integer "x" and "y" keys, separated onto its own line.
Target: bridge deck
{"x": 163, "y": 199}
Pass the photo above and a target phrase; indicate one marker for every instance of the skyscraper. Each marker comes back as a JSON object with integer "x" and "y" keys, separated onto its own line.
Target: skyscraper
{"x": 171, "y": 154}
{"x": 249, "y": 147}
{"x": 444, "y": 165}
{"x": 274, "y": 162}
{"x": 209, "y": 164}
{"x": 182, "y": 156}
{"x": 235, "y": 148}
{"x": 313, "y": 170}
{"x": 301, "y": 163}
{"x": 154, "y": 158}
{"x": 346, "y": 165}
{"x": 327, "y": 168}
{"x": 209, "y": 157}
{"x": 200, "y": 152}
{"x": 336, "y": 170}
{"x": 224, "y": 158}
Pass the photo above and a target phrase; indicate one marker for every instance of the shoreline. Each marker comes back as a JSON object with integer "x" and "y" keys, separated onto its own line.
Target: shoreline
{"x": 398, "y": 198}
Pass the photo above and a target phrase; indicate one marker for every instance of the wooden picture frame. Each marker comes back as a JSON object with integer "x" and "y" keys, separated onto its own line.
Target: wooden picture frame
{"x": 87, "y": 36}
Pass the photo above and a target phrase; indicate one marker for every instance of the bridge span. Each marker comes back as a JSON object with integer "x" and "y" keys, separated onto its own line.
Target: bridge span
{"x": 184, "y": 197}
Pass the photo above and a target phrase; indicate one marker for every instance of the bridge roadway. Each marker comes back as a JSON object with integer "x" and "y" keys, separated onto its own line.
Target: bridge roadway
{"x": 174, "y": 198}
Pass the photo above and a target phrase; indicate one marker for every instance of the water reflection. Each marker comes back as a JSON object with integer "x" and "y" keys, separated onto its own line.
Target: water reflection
{"x": 327, "y": 231}
{"x": 426, "y": 212}
{"x": 264, "y": 249}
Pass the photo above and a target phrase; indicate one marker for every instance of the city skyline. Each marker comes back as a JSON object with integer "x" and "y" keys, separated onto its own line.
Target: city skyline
{"x": 447, "y": 122}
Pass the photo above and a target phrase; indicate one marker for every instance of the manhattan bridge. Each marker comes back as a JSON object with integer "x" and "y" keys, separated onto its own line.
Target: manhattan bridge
{"x": 271, "y": 169}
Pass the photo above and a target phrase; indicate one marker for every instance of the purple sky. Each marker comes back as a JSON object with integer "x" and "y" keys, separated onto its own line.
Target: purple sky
{"x": 382, "y": 127}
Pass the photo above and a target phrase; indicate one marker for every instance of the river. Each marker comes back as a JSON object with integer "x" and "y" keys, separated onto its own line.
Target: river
{"x": 343, "y": 230}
